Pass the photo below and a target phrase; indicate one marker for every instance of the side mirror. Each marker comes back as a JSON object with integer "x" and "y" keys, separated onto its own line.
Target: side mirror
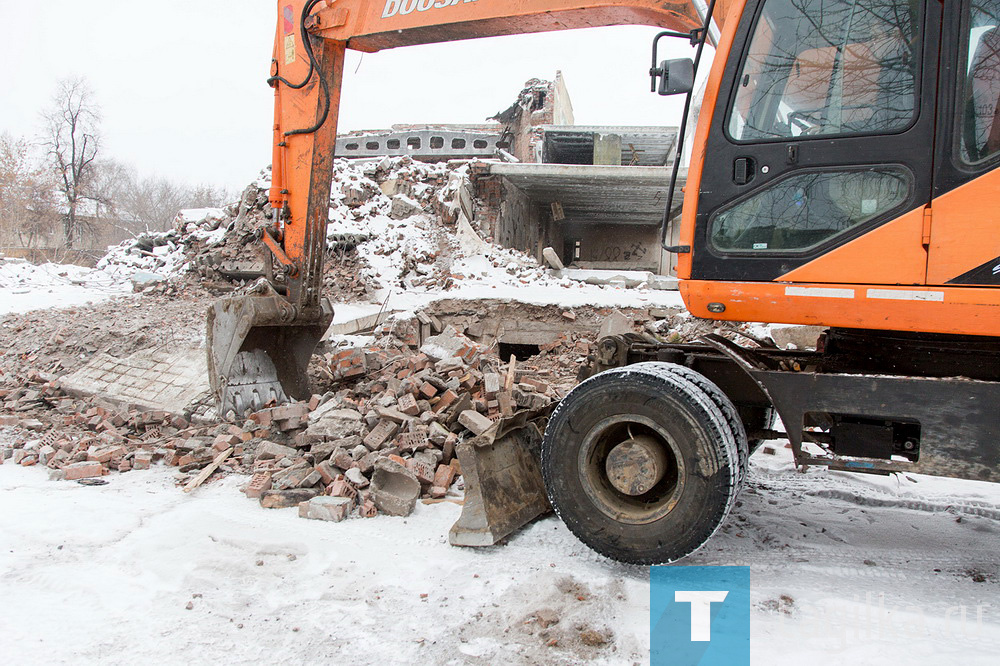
{"x": 676, "y": 76}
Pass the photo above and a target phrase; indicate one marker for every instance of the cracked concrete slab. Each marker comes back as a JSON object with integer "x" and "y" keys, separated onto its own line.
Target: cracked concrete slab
{"x": 152, "y": 379}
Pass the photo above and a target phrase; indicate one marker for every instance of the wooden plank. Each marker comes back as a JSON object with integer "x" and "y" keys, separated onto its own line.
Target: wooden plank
{"x": 207, "y": 472}
{"x": 509, "y": 383}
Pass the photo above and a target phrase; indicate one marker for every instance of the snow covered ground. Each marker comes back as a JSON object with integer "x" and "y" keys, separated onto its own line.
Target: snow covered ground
{"x": 846, "y": 569}
{"x": 25, "y": 287}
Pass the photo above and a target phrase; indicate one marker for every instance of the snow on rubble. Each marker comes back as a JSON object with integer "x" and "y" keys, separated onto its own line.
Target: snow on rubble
{"x": 418, "y": 244}
{"x": 396, "y": 236}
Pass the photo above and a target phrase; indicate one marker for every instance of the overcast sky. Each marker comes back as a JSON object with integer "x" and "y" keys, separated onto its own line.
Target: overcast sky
{"x": 181, "y": 84}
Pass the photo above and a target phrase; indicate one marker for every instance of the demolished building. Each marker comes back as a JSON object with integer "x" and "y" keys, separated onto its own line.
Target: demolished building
{"x": 594, "y": 194}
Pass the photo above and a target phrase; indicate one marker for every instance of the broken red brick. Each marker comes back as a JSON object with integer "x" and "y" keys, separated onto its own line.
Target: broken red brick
{"x": 341, "y": 488}
{"x": 142, "y": 459}
{"x": 407, "y": 404}
{"x": 83, "y": 470}
{"x": 223, "y": 442}
{"x": 538, "y": 386}
{"x": 421, "y": 470}
{"x": 326, "y": 472}
{"x": 380, "y": 434}
{"x": 413, "y": 441}
{"x": 444, "y": 476}
{"x": 259, "y": 482}
{"x": 447, "y": 398}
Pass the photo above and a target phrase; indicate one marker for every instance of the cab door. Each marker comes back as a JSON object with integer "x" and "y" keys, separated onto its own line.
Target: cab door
{"x": 964, "y": 228}
{"x": 822, "y": 135}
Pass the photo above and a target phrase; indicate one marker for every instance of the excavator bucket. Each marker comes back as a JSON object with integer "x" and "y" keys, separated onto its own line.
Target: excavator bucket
{"x": 259, "y": 350}
{"x": 503, "y": 480}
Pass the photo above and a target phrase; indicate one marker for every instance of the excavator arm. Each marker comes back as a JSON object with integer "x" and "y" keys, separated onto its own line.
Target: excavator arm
{"x": 259, "y": 345}
{"x": 310, "y": 45}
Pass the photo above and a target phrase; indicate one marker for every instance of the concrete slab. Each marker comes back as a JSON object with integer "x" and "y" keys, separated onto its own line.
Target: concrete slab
{"x": 640, "y": 146}
{"x": 588, "y": 193}
{"x": 153, "y": 379}
{"x": 353, "y": 326}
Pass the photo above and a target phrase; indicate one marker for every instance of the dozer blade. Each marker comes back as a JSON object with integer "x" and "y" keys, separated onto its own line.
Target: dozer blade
{"x": 259, "y": 350}
{"x": 503, "y": 480}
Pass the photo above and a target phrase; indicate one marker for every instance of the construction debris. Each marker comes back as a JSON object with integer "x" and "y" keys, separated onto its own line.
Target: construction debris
{"x": 381, "y": 438}
{"x": 116, "y": 387}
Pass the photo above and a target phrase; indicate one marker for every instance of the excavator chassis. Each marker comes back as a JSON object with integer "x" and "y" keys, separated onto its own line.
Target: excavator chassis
{"x": 872, "y": 401}
{"x": 857, "y": 405}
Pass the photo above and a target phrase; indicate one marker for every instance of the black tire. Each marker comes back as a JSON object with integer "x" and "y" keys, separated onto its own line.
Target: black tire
{"x": 685, "y": 508}
{"x": 724, "y": 404}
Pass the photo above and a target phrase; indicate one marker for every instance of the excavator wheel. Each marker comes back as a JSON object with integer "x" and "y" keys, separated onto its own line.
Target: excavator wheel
{"x": 725, "y": 406}
{"x": 642, "y": 463}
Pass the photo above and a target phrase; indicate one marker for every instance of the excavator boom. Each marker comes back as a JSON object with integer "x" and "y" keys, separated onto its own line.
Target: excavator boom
{"x": 259, "y": 344}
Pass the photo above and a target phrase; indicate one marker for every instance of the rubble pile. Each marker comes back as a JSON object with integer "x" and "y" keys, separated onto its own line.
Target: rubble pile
{"x": 380, "y": 442}
{"x": 85, "y": 438}
{"x": 57, "y": 341}
{"x": 220, "y": 246}
{"x": 389, "y": 438}
{"x": 394, "y": 223}
{"x": 382, "y": 430}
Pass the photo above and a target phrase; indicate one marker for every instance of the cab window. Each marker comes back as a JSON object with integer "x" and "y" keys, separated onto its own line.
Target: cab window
{"x": 810, "y": 208}
{"x": 980, "y": 82}
{"x": 828, "y": 67}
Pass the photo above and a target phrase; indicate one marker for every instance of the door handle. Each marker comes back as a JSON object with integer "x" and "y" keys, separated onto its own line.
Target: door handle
{"x": 744, "y": 169}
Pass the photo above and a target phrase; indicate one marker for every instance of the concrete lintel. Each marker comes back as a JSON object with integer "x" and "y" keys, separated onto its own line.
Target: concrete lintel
{"x": 585, "y": 172}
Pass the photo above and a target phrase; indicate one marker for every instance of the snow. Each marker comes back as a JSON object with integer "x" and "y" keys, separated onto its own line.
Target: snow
{"x": 25, "y": 287}
{"x": 410, "y": 259}
{"x": 109, "y": 570}
{"x": 872, "y": 566}
{"x": 200, "y": 216}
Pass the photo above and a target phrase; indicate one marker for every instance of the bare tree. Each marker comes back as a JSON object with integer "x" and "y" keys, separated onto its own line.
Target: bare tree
{"x": 73, "y": 140}
{"x": 27, "y": 195}
{"x": 134, "y": 205}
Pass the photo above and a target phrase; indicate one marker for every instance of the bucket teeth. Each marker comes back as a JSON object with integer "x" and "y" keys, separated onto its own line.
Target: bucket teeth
{"x": 259, "y": 351}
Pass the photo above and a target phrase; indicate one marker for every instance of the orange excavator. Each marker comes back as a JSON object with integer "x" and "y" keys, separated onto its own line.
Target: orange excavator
{"x": 843, "y": 174}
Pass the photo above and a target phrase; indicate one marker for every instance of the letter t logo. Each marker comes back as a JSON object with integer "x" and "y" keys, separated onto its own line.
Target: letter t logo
{"x": 701, "y": 611}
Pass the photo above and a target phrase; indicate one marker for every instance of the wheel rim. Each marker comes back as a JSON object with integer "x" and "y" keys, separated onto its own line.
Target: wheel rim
{"x": 631, "y": 469}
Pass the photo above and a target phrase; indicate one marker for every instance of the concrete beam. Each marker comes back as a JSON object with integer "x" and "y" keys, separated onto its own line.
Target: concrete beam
{"x": 589, "y": 193}
{"x": 427, "y": 144}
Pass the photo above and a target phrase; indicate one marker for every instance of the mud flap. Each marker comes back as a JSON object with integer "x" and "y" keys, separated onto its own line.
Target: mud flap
{"x": 503, "y": 480}
{"x": 259, "y": 348}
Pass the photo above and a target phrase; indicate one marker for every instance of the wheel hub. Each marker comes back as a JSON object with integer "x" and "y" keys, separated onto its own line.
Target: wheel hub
{"x": 631, "y": 469}
{"x": 636, "y": 465}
